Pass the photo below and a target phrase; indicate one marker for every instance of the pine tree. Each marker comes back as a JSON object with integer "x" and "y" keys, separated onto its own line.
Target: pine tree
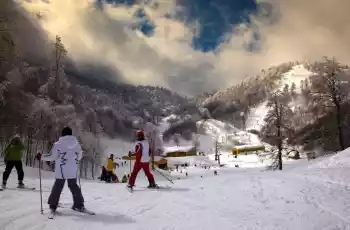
{"x": 293, "y": 89}
{"x": 286, "y": 89}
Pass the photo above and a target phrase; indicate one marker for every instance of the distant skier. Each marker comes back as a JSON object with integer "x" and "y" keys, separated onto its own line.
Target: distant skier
{"x": 142, "y": 153}
{"x": 66, "y": 153}
{"x": 13, "y": 158}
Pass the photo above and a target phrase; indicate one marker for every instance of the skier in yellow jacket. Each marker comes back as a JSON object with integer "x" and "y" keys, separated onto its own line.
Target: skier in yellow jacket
{"x": 110, "y": 168}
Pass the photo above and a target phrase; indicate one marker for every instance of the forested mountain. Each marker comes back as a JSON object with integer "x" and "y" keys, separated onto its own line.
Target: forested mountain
{"x": 309, "y": 111}
{"x": 41, "y": 92}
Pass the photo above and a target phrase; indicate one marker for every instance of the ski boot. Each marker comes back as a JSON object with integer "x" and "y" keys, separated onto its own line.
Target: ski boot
{"x": 3, "y": 186}
{"x": 152, "y": 186}
{"x": 82, "y": 210}
{"x": 130, "y": 187}
{"x": 20, "y": 185}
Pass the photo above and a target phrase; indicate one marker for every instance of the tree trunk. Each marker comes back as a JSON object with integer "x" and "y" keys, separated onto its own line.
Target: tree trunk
{"x": 279, "y": 151}
{"x": 28, "y": 148}
{"x": 93, "y": 169}
{"x": 339, "y": 126}
{"x": 219, "y": 160}
{"x": 85, "y": 169}
{"x": 279, "y": 144}
{"x": 279, "y": 135}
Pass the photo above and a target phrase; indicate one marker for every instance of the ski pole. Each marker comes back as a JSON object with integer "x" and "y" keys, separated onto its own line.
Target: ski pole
{"x": 78, "y": 175}
{"x": 41, "y": 191}
{"x": 79, "y": 182}
{"x": 171, "y": 181}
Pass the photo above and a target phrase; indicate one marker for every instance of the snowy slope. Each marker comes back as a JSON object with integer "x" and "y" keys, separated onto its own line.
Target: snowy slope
{"x": 297, "y": 74}
{"x": 255, "y": 119}
{"x": 339, "y": 160}
{"x": 303, "y": 199}
{"x": 256, "y": 116}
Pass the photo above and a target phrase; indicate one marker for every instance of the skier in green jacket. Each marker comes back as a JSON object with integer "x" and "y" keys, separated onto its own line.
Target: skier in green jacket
{"x": 13, "y": 158}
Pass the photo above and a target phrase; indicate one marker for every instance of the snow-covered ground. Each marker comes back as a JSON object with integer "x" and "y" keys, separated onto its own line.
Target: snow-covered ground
{"x": 300, "y": 197}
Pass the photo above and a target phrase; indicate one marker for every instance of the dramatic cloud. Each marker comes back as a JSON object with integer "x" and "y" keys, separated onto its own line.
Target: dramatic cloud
{"x": 294, "y": 30}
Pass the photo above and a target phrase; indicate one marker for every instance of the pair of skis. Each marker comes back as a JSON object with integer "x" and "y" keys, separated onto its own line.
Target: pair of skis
{"x": 18, "y": 188}
{"x": 131, "y": 189}
{"x": 53, "y": 214}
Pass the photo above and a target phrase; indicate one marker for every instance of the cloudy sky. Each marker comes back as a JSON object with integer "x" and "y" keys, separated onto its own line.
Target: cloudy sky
{"x": 193, "y": 46}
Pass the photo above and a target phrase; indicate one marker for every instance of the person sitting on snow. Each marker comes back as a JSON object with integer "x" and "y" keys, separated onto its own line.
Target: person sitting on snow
{"x": 142, "y": 153}
{"x": 125, "y": 178}
{"x": 115, "y": 178}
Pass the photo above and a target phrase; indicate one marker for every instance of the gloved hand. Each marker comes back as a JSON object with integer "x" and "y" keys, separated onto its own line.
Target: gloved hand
{"x": 38, "y": 156}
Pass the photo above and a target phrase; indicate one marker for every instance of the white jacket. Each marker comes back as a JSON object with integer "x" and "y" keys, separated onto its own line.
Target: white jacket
{"x": 66, "y": 153}
{"x": 143, "y": 146}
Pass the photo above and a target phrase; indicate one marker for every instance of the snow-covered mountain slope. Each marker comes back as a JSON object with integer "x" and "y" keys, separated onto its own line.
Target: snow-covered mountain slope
{"x": 298, "y": 73}
{"x": 294, "y": 76}
{"x": 255, "y": 118}
{"x": 305, "y": 199}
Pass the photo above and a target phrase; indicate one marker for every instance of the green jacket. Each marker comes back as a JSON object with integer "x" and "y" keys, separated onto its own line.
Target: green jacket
{"x": 14, "y": 152}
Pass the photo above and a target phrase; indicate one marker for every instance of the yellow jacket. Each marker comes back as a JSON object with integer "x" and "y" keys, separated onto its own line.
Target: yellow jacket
{"x": 110, "y": 165}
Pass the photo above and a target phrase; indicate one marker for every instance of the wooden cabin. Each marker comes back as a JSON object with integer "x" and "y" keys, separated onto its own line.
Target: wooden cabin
{"x": 161, "y": 162}
{"x": 179, "y": 151}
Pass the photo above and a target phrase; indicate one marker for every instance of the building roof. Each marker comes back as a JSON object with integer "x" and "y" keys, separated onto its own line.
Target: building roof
{"x": 171, "y": 149}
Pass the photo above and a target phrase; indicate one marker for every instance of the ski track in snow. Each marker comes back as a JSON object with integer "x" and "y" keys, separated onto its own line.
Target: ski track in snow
{"x": 294, "y": 199}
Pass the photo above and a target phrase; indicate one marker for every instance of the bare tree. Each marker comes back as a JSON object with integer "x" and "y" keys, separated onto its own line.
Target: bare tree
{"x": 328, "y": 88}
{"x": 278, "y": 124}
{"x": 56, "y": 84}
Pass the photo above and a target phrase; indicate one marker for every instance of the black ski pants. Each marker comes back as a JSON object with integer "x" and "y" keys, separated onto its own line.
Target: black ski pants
{"x": 9, "y": 166}
{"x": 110, "y": 176}
{"x": 54, "y": 198}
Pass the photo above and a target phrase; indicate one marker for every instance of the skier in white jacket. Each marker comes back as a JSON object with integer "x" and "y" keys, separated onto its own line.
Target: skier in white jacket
{"x": 66, "y": 153}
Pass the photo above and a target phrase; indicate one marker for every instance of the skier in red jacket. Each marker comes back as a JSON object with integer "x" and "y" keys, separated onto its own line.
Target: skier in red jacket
{"x": 142, "y": 153}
